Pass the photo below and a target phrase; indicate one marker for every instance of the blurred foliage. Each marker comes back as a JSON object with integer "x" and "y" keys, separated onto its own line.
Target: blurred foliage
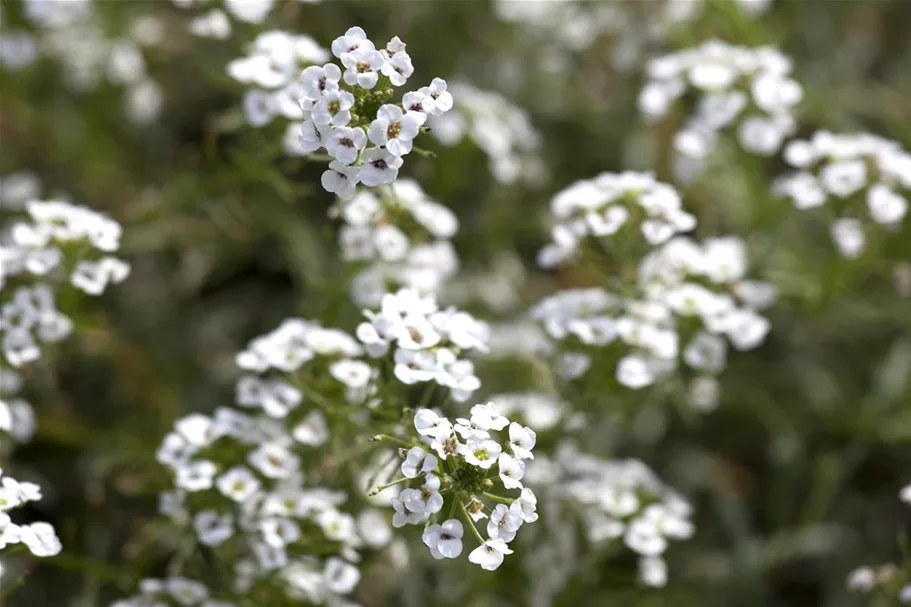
{"x": 794, "y": 477}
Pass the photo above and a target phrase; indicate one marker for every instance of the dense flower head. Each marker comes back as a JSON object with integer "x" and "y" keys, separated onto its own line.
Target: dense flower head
{"x": 40, "y": 538}
{"x": 618, "y": 500}
{"x": 400, "y": 238}
{"x": 602, "y": 206}
{"x": 688, "y": 298}
{"x": 849, "y": 172}
{"x": 461, "y": 464}
{"x": 58, "y": 241}
{"x": 736, "y": 85}
{"x": 426, "y": 342}
{"x": 240, "y": 477}
{"x": 348, "y": 112}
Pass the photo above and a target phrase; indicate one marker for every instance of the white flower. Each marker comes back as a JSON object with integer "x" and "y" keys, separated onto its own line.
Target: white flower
{"x": 361, "y": 67}
{"x": 341, "y": 179}
{"x": 444, "y": 541}
{"x": 238, "y": 484}
{"x": 428, "y": 423}
{"x": 40, "y": 539}
{"x": 862, "y": 579}
{"x": 487, "y": 417}
{"x": 522, "y": 440}
{"x": 379, "y": 166}
{"x": 251, "y": 11}
{"x": 526, "y": 505}
{"x": 417, "y": 462}
{"x": 340, "y": 577}
{"x": 437, "y": 100}
{"x": 848, "y": 235}
{"x": 355, "y": 38}
{"x": 843, "y": 178}
{"x": 374, "y": 528}
{"x": 905, "y": 495}
{"x": 643, "y": 537}
{"x": 481, "y": 453}
{"x": 414, "y": 366}
{"x": 391, "y": 242}
{"x": 746, "y": 329}
{"x": 312, "y": 430}
{"x": 344, "y": 144}
{"x": 274, "y": 461}
{"x": 427, "y": 499}
{"x": 195, "y": 476}
{"x": 504, "y": 523}
{"x": 490, "y": 554}
{"x": 352, "y": 373}
{"x": 398, "y": 68}
{"x": 259, "y": 107}
{"x": 634, "y": 371}
{"x": 316, "y": 80}
{"x": 211, "y": 528}
{"x": 394, "y": 129}
{"x": 333, "y": 108}
{"x": 653, "y": 571}
{"x": 885, "y": 206}
{"x": 403, "y": 516}
{"x": 511, "y": 471}
{"x": 279, "y": 532}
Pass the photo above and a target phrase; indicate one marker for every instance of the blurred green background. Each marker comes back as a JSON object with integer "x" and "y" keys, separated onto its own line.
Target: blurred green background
{"x": 795, "y": 476}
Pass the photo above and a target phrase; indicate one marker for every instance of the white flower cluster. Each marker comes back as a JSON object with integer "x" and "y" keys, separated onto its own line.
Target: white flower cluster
{"x": 556, "y": 28}
{"x": 749, "y": 87}
{"x": 889, "y": 579}
{"x": 620, "y": 499}
{"x": 17, "y": 418}
{"x": 272, "y": 68}
{"x": 45, "y": 247}
{"x": 427, "y": 341}
{"x": 40, "y": 538}
{"x": 852, "y": 170}
{"x": 602, "y": 206}
{"x": 680, "y": 282}
{"x": 500, "y": 128}
{"x": 214, "y": 23}
{"x": 73, "y": 34}
{"x": 240, "y": 477}
{"x": 171, "y": 592}
{"x": 344, "y": 111}
{"x": 466, "y": 473}
{"x": 404, "y": 237}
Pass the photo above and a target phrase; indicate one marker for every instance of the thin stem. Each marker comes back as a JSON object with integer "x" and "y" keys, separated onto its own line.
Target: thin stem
{"x": 392, "y": 439}
{"x": 497, "y": 498}
{"x": 387, "y": 485}
{"x": 470, "y": 522}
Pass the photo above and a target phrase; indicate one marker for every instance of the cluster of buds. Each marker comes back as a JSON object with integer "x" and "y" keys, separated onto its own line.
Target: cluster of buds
{"x": 462, "y": 465}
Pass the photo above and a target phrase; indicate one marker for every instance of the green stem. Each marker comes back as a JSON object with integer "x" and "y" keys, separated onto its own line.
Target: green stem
{"x": 470, "y": 522}
{"x": 387, "y": 485}
{"x": 392, "y": 439}
{"x": 497, "y": 498}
